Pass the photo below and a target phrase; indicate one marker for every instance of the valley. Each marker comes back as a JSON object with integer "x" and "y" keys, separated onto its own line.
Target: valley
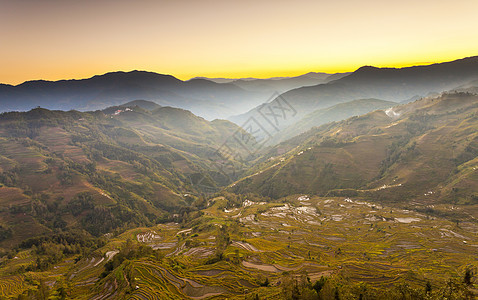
{"x": 360, "y": 199}
{"x": 238, "y": 150}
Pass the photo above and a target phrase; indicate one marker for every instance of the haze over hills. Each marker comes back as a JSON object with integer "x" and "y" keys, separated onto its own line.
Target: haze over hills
{"x": 334, "y": 113}
{"x": 203, "y": 97}
{"x": 390, "y": 84}
{"x": 280, "y": 84}
{"x": 220, "y": 100}
{"x": 470, "y": 87}
{"x": 148, "y": 105}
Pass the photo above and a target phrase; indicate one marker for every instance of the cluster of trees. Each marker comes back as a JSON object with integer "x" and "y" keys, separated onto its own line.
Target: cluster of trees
{"x": 295, "y": 287}
{"x": 333, "y": 142}
{"x": 5, "y": 232}
{"x": 419, "y": 123}
{"x": 10, "y": 177}
{"x": 28, "y": 124}
{"x": 102, "y": 219}
{"x": 469, "y": 153}
{"x": 83, "y": 201}
{"x": 233, "y": 200}
{"x": 301, "y": 287}
{"x": 394, "y": 152}
{"x": 74, "y": 237}
{"x": 130, "y": 251}
{"x": 222, "y": 241}
{"x": 51, "y": 249}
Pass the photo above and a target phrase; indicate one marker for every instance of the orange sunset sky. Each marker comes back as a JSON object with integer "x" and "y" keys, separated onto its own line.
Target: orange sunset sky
{"x": 63, "y": 39}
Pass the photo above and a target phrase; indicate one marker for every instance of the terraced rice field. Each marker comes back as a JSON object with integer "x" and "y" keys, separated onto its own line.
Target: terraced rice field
{"x": 12, "y": 196}
{"x": 59, "y": 141}
{"x": 356, "y": 240}
{"x": 11, "y": 286}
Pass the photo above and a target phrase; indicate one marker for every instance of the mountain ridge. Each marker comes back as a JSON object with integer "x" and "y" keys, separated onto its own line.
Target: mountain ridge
{"x": 401, "y": 84}
{"x": 204, "y": 97}
{"x": 100, "y": 91}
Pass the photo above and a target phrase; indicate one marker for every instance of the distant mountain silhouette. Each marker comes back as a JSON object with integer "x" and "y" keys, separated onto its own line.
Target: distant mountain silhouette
{"x": 280, "y": 84}
{"x": 203, "y": 97}
{"x": 390, "y": 84}
{"x": 208, "y": 99}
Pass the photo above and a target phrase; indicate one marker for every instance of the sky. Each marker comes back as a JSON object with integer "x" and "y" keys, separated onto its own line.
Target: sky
{"x": 65, "y": 39}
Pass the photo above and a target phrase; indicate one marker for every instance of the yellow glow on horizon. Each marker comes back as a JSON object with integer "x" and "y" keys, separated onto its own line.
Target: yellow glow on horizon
{"x": 82, "y": 72}
{"x": 56, "y": 39}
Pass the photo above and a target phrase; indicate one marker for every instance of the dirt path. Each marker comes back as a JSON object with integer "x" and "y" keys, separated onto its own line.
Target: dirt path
{"x": 266, "y": 268}
{"x": 206, "y": 295}
{"x": 245, "y": 246}
{"x": 110, "y": 254}
{"x": 99, "y": 262}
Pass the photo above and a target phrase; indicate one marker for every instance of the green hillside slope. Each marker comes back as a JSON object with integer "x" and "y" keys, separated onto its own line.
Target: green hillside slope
{"x": 101, "y": 172}
{"x": 425, "y": 147}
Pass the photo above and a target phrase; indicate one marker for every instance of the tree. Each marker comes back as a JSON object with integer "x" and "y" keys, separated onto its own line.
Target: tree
{"x": 266, "y": 282}
{"x": 337, "y": 295}
{"x": 428, "y": 287}
{"x": 468, "y": 276}
{"x": 42, "y": 292}
{"x": 319, "y": 284}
